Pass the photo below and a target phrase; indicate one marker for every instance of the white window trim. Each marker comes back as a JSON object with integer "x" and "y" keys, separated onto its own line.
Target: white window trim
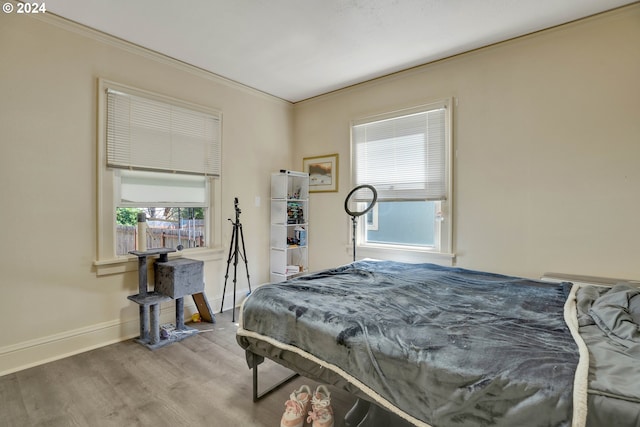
{"x": 107, "y": 262}
{"x": 443, "y": 252}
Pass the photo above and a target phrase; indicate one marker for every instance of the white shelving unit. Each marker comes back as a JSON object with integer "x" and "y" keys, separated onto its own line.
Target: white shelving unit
{"x": 289, "y": 224}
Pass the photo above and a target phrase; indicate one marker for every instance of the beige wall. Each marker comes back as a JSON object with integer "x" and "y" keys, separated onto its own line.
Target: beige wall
{"x": 53, "y": 302}
{"x": 547, "y": 143}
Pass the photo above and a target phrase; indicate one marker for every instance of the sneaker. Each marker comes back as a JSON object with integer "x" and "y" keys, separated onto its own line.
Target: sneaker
{"x": 321, "y": 414}
{"x": 296, "y": 407}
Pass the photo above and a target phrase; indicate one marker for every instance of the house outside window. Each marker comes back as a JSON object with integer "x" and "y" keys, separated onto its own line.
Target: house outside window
{"x": 406, "y": 156}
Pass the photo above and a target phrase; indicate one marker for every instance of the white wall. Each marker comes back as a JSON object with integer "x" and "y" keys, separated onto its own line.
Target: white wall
{"x": 53, "y": 303}
{"x": 547, "y": 142}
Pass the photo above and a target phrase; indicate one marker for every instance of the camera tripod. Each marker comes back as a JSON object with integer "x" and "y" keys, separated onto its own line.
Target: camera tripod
{"x": 234, "y": 253}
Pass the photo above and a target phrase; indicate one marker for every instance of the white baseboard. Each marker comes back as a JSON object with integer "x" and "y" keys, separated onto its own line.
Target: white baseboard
{"x": 46, "y": 349}
{"x": 27, "y": 354}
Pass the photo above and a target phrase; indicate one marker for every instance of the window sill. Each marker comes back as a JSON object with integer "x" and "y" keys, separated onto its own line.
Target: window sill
{"x": 124, "y": 264}
{"x": 404, "y": 254}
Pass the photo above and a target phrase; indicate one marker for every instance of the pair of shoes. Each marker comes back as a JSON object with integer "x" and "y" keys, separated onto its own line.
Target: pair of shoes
{"x": 321, "y": 414}
{"x": 296, "y": 407}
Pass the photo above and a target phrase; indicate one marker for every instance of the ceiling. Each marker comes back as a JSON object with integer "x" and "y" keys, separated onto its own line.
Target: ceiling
{"x": 298, "y": 49}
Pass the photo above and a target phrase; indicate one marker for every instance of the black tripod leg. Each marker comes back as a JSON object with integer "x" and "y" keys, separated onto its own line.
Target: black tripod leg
{"x": 244, "y": 257}
{"x": 234, "y": 252}
{"x": 226, "y": 275}
{"x": 235, "y": 270}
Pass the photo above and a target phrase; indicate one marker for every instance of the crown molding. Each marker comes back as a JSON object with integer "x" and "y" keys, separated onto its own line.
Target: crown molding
{"x": 101, "y": 37}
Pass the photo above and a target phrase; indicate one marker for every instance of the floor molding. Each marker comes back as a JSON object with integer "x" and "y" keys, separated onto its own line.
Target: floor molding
{"x": 27, "y": 354}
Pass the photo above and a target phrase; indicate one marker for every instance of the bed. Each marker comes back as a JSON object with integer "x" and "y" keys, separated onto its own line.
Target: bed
{"x": 440, "y": 346}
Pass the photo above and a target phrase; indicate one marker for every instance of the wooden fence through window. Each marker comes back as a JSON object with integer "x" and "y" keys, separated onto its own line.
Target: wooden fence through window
{"x": 127, "y": 237}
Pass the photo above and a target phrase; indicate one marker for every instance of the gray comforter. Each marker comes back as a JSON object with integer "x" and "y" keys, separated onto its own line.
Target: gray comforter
{"x": 446, "y": 346}
{"x": 609, "y": 320}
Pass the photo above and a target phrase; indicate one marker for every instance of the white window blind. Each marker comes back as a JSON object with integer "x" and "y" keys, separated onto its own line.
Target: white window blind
{"x": 150, "y": 134}
{"x": 156, "y": 189}
{"x": 403, "y": 157}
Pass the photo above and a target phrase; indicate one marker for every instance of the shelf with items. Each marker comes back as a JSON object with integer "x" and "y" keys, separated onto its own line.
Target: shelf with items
{"x": 289, "y": 224}
{"x": 288, "y": 262}
{"x": 289, "y": 211}
{"x": 290, "y": 185}
{"x": 288, "y": 236}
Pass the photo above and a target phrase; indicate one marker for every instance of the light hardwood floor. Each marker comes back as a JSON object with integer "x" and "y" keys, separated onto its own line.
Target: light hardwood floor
{"x": 201, "y": 381}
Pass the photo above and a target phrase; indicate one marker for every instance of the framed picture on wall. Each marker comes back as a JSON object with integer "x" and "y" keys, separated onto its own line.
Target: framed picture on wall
{"x": 323, "y": 173}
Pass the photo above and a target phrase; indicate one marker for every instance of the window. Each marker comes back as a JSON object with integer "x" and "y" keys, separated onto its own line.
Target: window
{"x": 406, "y": 156}
{"x": 176, "y": 207}
{"x": 160, "y": 156}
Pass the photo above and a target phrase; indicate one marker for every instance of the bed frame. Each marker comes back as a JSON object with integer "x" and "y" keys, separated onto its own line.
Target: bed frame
{"x": 364, "y": 412}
